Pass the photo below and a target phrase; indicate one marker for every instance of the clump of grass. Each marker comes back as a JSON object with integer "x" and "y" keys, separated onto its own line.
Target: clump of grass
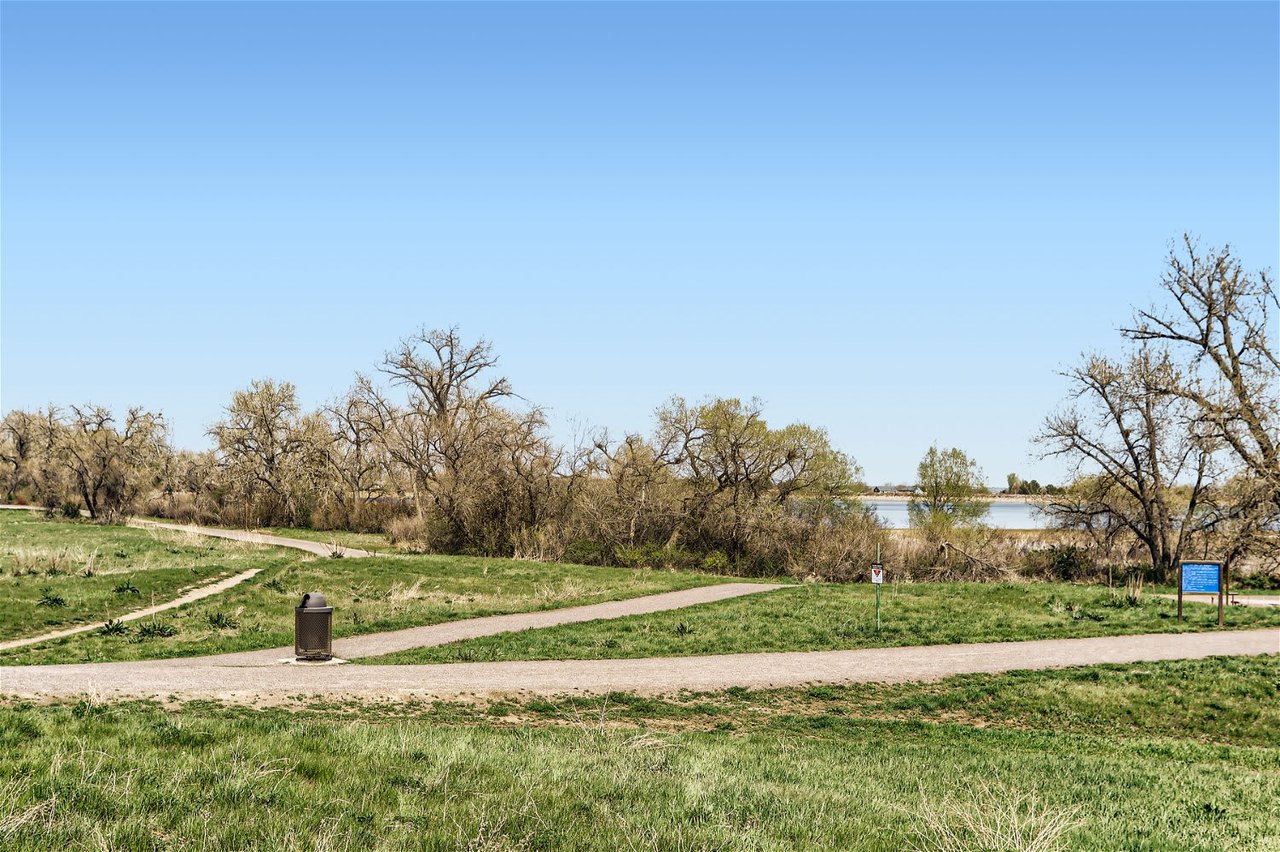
{"x": 51, "y": 599}
{"x": 274, "y": 585}
{"x": 126, "y": 588}
{"x": 221, "y": 621}
{"x": 114, "y": 627}
{"x": 157, "y": 630}
{"x": 14, "y": 817}
{"x": 400, "y": 592}
{"x": 994, "y": 819}
{"x": 568, "y": 589}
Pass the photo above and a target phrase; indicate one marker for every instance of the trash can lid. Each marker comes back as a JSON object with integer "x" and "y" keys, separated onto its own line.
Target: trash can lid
{"x": 313, "y": 600}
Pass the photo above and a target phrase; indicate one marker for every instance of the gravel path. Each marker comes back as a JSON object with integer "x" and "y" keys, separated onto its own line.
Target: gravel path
{"x": 188, "y": 679}
{"x": 376, "y": 644}
{"x": 194, "y": 595}
{"x": 1240, "y": 600}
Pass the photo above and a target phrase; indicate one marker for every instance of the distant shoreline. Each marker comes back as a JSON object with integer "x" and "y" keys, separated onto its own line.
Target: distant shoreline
{"x": 989, "y": 498}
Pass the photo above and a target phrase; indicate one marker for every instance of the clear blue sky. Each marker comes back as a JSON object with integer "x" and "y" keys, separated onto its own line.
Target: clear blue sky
{"x": 894, "y": 221}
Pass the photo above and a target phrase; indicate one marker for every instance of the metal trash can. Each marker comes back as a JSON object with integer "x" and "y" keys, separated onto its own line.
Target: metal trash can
{"x": 313, "y": 628}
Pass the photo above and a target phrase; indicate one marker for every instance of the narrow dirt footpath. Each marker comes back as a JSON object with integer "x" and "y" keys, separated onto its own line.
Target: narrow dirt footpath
{"x": 198, "y": 593}
{"x": 188, "y": 679}
{"x": 316, "y": 547}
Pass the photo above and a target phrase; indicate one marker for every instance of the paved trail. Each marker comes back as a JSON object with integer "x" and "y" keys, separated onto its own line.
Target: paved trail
{"x": 213, "y": 679}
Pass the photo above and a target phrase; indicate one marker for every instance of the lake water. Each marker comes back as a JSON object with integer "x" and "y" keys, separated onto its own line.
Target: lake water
{"x": 1004, "y": 514}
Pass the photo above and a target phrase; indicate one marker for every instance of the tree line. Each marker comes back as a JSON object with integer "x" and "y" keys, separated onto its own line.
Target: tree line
{"x": 1171, "y": 444}
{"x": 437, "y": 449}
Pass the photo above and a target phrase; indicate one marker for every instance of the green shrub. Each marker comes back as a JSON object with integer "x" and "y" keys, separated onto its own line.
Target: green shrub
{"x": 717, "y": 561}
{"x": 587, "y": 552}
{"x": 114, "y": 627}
{"x": 70, "y": 509}
{"x": 50, "y": 598}
{"x": 1059, "y": 562}
{"x": 653, "y": 556}
{"x": 1263, "y": 581}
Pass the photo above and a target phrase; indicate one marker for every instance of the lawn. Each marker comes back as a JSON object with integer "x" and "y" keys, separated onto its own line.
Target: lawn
{"x": 1192, "y": 764}
{"x": 820, "y": 617}
{"x": 59, "y": 573}
{"x": 369, "y": 595}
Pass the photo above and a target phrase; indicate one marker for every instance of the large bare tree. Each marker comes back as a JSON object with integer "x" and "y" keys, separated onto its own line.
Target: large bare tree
{"x": 1216, "y": 323}
{"x": 1142, "y": 461}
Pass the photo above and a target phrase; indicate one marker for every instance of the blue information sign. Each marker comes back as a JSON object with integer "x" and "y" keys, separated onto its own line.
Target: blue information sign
{"x": 1200, "y": 578}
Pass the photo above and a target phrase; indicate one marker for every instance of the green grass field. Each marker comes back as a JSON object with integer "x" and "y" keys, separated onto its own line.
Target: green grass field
{"x": 59, "y": 573}
{"x": 819, "y": 617}
{"x": 371, "y": 595}
{"x": 1157, "y": 756}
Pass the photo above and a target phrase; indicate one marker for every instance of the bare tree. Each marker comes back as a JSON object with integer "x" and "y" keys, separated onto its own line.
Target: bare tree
{"x": 1141, "y": 461}
{"x": 19, "y": 439}
{"x": 1216, "y": 325}
{"x": 264, "y": 451}
{"x": 28, "y": 441}
{"x": 732, "y": 462}
{"x": 357, "y": 458}
{"x": 109, "y": 466}
{"x": 479, "y": 471}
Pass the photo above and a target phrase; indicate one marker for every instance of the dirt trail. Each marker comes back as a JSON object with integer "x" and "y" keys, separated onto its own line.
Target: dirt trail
{"x": 198, "y": 593}
{"x": 316, "y": 547}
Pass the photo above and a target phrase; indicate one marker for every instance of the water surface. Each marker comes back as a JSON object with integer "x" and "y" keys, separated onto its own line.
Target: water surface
{"x": 1004, "y": 514}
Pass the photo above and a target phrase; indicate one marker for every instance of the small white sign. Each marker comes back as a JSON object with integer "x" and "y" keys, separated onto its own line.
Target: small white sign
{"x": 877, "y": 574}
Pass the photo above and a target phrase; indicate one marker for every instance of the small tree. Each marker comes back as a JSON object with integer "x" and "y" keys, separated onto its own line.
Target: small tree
{"x": 109, "y": 466}
{"x": 949, "y": 482}
{"x": 734, "y": 467}
{"x": 264, "y": 451}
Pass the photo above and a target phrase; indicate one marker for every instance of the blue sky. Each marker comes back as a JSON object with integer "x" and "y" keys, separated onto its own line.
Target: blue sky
{"x": 896, "y": 221}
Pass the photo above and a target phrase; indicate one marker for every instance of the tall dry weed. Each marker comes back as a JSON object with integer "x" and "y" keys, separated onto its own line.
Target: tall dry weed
{"x": 993, "y": 819}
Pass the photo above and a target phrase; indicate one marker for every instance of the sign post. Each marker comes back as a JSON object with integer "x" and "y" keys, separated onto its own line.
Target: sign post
{"x": 1200, "y": 578}
{"x": 877, "y": 580}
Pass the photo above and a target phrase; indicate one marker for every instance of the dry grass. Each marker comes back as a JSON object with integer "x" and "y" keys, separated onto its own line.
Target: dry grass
{"x": 14, "y": 817}
{"x": 993, "y": 818}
